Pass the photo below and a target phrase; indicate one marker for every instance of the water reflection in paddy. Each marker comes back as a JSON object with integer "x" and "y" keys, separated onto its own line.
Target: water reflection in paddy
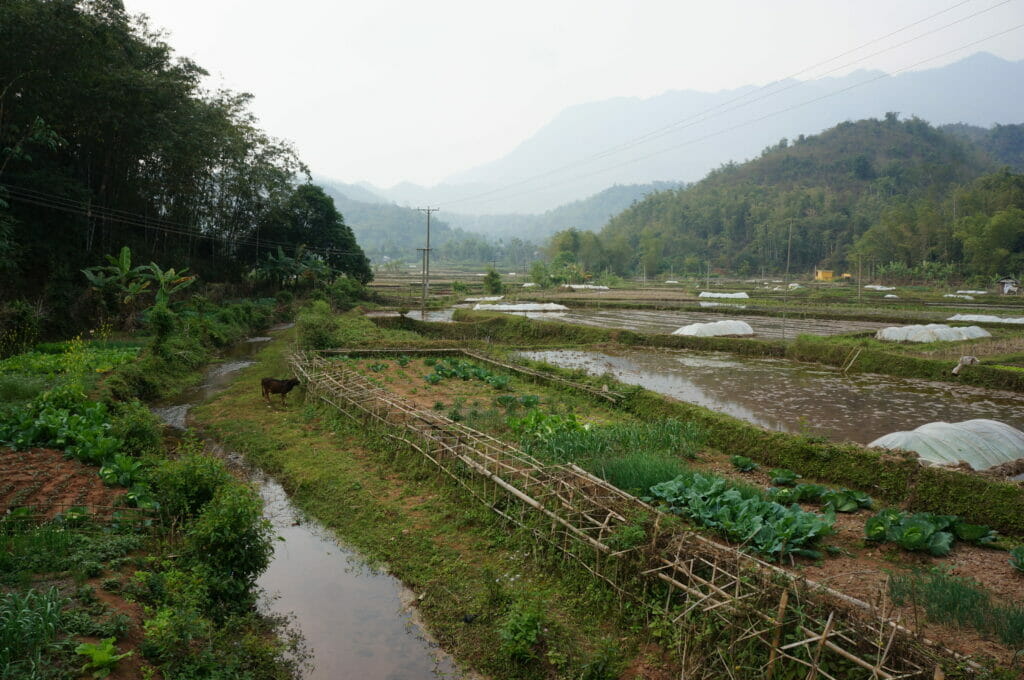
{"x": 792, "y": 397}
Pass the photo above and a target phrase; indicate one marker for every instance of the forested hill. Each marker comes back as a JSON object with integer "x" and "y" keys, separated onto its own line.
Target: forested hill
{"x": 391, "y": 232}
{"x": 588, "y": 214}
{"x": 1005, "y": 143}
{"x": 830, "y": 189}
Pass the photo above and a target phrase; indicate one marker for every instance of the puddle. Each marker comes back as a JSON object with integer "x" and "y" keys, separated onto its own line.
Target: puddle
{"x": 357, "y": 622}
{"x": 796, "y": 398}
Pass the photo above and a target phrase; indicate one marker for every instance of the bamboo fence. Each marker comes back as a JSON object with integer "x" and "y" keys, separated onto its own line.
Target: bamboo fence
{"x": 800, "y": 623}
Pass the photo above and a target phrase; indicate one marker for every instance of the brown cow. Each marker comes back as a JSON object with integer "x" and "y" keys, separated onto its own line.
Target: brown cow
{"x": 275, "y": 386}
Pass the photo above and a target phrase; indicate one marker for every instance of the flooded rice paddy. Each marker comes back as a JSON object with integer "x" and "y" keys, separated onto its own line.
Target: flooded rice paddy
{"x": 356, "y": 622}
{"x": 792, "y": 397}
{"x": 666, "y": 321}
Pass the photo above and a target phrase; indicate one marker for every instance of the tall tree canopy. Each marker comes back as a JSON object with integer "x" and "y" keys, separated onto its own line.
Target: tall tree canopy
{"x": 107, "y": 139}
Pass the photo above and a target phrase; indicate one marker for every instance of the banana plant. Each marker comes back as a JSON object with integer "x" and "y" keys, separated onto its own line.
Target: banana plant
{"x": 168, "y": 282}
{"x": 119, "y": 277}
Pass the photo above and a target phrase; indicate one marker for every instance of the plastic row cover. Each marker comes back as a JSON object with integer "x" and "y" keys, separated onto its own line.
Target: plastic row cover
{"x": 733, "y": 296}
{"x": 931, "y": 333}
{"x": 981, "y": 443}
{"x": 986, "y": 318}
{"x": 705, "y": 330}
{"x": 523, "y": 307}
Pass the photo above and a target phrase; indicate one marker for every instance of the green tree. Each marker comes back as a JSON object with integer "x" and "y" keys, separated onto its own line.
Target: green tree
{"x": 493, "y": 284}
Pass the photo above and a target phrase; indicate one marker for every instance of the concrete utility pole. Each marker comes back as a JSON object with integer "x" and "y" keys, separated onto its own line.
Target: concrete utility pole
{"x": 426, "y": 256}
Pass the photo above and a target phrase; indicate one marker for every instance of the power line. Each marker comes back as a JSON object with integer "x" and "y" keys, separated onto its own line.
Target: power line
{"x": 691, "y": 119}
{"x": 86, "y": 209}
{"x": 742, "y": 124}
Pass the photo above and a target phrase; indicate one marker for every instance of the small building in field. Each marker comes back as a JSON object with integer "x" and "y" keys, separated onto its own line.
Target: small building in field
{"x": 1009, "y": 285}
{"x": 823, "y": 274}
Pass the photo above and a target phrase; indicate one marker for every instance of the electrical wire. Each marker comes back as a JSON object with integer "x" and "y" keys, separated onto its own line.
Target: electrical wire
{"x": 84, "y": 209}
{"x": 689, "y": 121}
{"x": 765, "y": 116}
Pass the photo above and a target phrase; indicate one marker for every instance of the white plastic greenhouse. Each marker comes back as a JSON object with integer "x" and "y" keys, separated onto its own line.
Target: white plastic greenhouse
{"x": 733, "y": 296}
{"x": 981, "y": 443}
{"x": 932, "y": 332}
{"x": 706, "y": 330}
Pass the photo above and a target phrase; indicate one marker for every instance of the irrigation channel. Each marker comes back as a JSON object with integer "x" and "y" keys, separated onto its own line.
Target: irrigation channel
{"x": 792, "y": 397}
{"x": 358, "y": 622}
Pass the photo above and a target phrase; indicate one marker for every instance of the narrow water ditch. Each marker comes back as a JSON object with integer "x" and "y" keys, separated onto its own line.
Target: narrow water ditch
{"x": 793, "y": 397}
{"x": 357, "y": 621}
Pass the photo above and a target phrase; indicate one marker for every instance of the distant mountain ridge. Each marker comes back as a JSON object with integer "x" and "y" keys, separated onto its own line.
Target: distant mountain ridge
{"x": 980, "y": 90}
{"x": 587, "y": 214}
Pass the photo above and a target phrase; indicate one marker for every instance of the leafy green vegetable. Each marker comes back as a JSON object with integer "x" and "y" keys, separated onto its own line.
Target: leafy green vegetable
{"x": 1017, "y": 558}
{"x": 102, "y": 657}
{"x": 784, "y": 477}
{"x": 743, "y": 464}
{"x": 923, "y": 532}
{"x": 763, "y": 526}
{"x": 121, "y": 470}
{"x": 974, "y": 533}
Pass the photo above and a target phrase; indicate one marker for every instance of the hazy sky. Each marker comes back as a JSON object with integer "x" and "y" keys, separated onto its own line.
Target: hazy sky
{"x": 391, "y": 90}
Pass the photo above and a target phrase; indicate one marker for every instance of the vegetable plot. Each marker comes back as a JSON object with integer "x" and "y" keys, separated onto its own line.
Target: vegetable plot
{"x": 924, "y": 531}
{"x": 765, "y": 527}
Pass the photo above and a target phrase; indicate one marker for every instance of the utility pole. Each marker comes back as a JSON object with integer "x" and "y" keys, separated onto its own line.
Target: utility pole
{"x": 785, "y": 292}
{"x": 426, "y": 256}
{"x": 859, "y": 281}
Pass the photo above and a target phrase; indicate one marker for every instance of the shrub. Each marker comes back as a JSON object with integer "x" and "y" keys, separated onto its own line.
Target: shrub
{"x": 136, "y": 426}
{"x": 317, "y": 326}
{"x": 493, "y": 284}
{"x": 343, "y": 293}
{"x": 184, "y": 486}
{"x": 230, "y": 543}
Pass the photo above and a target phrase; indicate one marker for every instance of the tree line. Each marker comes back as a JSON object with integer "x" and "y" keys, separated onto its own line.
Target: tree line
{"x": 109, "y": 140}
{"x": 882, "y": 191}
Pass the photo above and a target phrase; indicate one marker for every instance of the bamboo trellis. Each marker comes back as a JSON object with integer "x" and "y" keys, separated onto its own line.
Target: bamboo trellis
{"x": 798, "y": 621}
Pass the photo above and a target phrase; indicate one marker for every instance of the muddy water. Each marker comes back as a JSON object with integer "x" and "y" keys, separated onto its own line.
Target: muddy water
{"x": 357, "y": 622}
{"x": 797, "y": 398}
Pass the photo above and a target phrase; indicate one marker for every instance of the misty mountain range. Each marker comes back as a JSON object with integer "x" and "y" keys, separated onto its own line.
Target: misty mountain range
{"x": 700, "y": 131}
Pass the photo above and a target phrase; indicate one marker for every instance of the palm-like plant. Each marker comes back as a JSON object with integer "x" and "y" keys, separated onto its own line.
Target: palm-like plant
{"x": 168, "y": 282}
{"x": 118, "y": 277}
